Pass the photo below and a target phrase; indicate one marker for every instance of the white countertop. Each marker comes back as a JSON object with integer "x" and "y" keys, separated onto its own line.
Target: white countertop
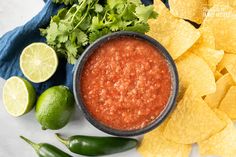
{"x": 14, "y": 13}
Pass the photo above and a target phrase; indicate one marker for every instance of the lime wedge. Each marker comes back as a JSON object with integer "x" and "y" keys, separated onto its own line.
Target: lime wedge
{"x": 18, "y": 96}
{"x": 38, "y": 62}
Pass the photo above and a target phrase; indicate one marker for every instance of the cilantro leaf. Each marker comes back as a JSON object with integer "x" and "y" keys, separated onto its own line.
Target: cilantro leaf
{"x": 98, "y": 8}
{"x": 52, "y": 32}
{"x": 113, "y": 3}
{"x": 136, "y": 2}
{"x": 144, "y": 12}
{"x": 93, "y": 36}
{"x": 139, "y": 27}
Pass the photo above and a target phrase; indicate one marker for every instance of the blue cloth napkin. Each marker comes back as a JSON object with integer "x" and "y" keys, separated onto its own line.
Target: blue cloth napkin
{"x": 13, "y": 42}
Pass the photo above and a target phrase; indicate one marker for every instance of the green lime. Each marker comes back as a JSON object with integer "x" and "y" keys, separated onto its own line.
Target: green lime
{"x": 55, "y": 107}
{"x": 38, "y": 62}
{"x": 18, "y": 96}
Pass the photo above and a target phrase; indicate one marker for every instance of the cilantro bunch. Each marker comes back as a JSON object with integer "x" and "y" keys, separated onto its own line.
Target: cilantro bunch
{"x": 76, "y": 26}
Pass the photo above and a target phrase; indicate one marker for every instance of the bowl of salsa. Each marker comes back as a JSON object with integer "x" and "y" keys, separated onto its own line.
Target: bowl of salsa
{"x": 126, "y": 83}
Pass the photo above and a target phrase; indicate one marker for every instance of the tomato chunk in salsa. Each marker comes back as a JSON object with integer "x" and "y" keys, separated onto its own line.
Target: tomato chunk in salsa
{"x": 126, "y": 83}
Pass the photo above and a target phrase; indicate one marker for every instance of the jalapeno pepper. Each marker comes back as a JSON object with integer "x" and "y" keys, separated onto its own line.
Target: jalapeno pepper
{"x": 96, "y": 146}
{"x": 46, "y": 150}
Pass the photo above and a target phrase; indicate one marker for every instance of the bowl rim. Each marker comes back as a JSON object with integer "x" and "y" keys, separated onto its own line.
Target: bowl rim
{"x": 169, "y": 106}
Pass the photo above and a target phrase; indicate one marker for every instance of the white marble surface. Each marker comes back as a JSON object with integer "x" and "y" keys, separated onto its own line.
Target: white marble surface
{"x": 14, "y": 13}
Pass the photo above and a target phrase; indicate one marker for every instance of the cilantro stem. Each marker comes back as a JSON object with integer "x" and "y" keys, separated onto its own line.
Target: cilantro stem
{"x": 82, "y": 18}
{"x": 126, "y": 5}
{"x": 78, "y": 9}
{"x": 86, "y": 13}
{"x": 104, "y": 17}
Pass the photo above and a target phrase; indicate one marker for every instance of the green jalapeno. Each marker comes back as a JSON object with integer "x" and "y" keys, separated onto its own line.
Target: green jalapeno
{"x": 96, "y": 146}
{"x": 46, "y": 150}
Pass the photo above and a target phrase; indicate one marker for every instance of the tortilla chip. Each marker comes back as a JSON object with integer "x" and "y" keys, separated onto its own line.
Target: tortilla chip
{"x": 231, "y": 68}
{"x": 194, "y": 71}
{"x": 154, "y": 144}
{"x": 222, "y": 86}
{"x": 193, "y": 10}
{"x": 211, "y": 56}
{"x": 222, "y": 2}
{"x": 223, "y": 116}
{"x": 228, "y": 104}
{"x": 223, "y": 143}
{"x": 218, "y": 75}
{"x": 192, "y": 121}
{"x": 229, "y": 63}
{"x": 207, "y": 38}
{"x": 175, "y": 34}
{"x": 222, "y": 20}
{"x": 205, "y": 48}
{"x": 227, "y": 59}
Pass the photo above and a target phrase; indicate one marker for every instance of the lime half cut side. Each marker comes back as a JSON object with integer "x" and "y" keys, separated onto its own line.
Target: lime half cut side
{"x": 38, "y": 62}
{"x": 18, "y": 96}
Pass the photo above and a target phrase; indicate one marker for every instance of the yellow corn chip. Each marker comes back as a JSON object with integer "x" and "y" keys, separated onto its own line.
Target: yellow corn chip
{"x": 205, "y": 48}
{"x": 223, "y": 143}
{"x": 218, "y": 75}
{"x": 227, "y": 59}
{"x": 193, "y": 10}
{"x": 222, "y": 2}
{"x": 222, "y": 21}
{"x": 231, "y": 68}
{"x": 222, "y": 86}
{"x": 175, "y": 34}
{"x": 194, "y": 71}
{"x": 229, "y": 63}
{"x": 228, "y": 104}
{"x": 211, "y": 56}
{"x": 223, "y": 116}
{"x": 192, "y": 120}
{"x": 154, "y": 144}
{"x": 206, "y": 39}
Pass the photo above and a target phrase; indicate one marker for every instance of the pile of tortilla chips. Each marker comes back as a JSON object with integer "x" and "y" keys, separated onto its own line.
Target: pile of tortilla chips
{"x": 206, "y": 61}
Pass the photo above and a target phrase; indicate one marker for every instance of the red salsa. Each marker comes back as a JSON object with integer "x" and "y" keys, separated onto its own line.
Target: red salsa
{"x": 126, "y": 83}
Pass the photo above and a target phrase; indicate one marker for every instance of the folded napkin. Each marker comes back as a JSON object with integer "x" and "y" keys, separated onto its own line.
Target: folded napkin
{"x": 13, "y": 42}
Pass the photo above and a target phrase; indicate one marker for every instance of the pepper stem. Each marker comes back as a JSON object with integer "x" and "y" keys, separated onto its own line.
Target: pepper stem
{"x": 62, "y": 140}
{"x": 34, "y": 145}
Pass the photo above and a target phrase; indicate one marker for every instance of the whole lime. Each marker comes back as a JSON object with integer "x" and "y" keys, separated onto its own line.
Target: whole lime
{"x": 55, "y": 107}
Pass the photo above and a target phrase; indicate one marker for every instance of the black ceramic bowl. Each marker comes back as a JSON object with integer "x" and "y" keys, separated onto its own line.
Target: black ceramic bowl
{"x": 78, "y": 72}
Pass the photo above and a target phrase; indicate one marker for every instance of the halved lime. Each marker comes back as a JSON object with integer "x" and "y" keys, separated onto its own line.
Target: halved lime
{"x": 38, "y": 62}
{"x": 18, "y": 96}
